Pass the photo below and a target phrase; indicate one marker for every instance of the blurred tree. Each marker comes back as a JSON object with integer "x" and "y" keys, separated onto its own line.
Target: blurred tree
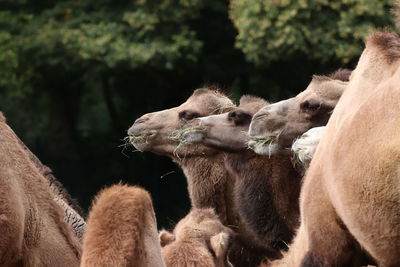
{"x": 323, "y": 30}
{"x": 75, "y": 74}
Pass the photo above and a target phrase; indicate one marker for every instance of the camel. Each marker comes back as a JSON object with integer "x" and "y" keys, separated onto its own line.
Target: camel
{"x": 34, "y": 232}
{"x": 73, "y": 213}
{"x": 359, "y": 189}
{"x": 350, "y": 198}
{"x": 122, "y": 232}
{"x": 199, "y": 239}
{"x": 266, "y": 189}
{"x": 304, "y": 147}
{"x": 274, "y": 127}
{"x": 209, "y": 183}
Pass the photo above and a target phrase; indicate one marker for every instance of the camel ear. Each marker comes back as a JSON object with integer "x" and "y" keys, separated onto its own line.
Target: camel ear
{"x": 220, "y": 243}
{"x": 166, "y": 238}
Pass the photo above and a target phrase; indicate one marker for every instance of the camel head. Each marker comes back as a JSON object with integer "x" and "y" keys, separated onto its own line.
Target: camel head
{"x": 274, "y": 127}
{"x": 202, "y": 227}
{"x": 227, "y": 131}
{"x": 304, "y": 147}
{"x": 159, "y": 132}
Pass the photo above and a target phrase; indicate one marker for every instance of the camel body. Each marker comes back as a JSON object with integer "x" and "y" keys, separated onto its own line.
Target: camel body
{"x": 34, "y": 232}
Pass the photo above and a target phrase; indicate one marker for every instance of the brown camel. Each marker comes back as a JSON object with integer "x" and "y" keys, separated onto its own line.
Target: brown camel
{"x": 356, "y": 196}
{"x": 266, "y": 189}
{"x": 274, "y": 128}
{"x": 199, "y": 239}
{"x": 209, "y": 183}
{"x": 350, "y": 197}
{"x": 122, "y": 232}
{"x": 34, "y": 232}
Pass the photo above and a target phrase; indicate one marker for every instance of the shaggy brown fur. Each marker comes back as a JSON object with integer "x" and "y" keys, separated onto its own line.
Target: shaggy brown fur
{"x": 199, "y": 239}
{"x": 121, "y": 230}
{"x": 209, "y": 183}
{"x": 33, "y": 230}
{"x": 350, "y": 196}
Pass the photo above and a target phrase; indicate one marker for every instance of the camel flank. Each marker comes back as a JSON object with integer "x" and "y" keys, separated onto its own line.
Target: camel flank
{"x": 122, "y": 232}
{"x": 33, "y": 228}
{"x": 209, "y": 183}
{"x": 266, "y": 189}
{"x": 274, "y": 127}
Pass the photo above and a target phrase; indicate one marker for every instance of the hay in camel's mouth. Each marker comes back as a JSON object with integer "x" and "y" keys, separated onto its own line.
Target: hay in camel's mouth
{"x": 260, "y": 142}
{"x": 184, "y": 135}
{"x": 141, "y": 138}
{"x": 264, "y": 146}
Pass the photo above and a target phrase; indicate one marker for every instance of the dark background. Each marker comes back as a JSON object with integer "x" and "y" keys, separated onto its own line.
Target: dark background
{"x": 74, "y": 75}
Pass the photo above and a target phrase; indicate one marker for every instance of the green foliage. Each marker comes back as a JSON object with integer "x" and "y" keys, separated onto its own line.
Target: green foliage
{"x": 323, "y": 30}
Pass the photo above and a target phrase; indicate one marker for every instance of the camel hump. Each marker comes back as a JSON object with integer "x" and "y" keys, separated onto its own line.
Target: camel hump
{"x": 119, "y": 220}
{"x": 2, "y": 118}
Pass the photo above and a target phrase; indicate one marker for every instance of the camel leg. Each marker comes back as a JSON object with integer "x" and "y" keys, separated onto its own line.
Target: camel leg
{"x": 12, "y": 220}
{"x": 330, "y": 244}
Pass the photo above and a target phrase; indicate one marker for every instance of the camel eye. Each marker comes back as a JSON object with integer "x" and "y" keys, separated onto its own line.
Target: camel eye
{"x": 310, "y": 106}
{"x": 188, "y": 115}
{"x": 239, "y": 117}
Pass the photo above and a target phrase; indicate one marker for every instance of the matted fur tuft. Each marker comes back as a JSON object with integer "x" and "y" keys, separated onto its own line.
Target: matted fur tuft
{"x": 251, "y": 99}
{"x": 341, "y": 74}
{"x": 387, "y": 42}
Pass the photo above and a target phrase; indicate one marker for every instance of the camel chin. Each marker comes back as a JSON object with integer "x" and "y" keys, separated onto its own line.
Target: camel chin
{"x": 265, "y": 149}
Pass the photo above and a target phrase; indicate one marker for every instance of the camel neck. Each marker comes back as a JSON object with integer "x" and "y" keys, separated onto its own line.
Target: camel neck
{"x": 208, "y": 184}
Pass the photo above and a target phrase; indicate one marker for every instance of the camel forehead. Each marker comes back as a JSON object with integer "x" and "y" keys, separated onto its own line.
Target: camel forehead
{"x": 323, "y": 88}
{"x": 251, "y": 103}
{"x": 208, "y": 101}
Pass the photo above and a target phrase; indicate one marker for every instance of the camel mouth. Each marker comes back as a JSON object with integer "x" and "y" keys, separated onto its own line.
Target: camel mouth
{"x": 141, "y": 138}
{"x": 189, "y": 135}
{"x": 266, "y": 145}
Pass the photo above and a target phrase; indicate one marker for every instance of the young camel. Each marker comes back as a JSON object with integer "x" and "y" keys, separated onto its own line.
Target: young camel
{"x": 266, "y": 189}
{"x": 351, "y": 195}
{"x": 209, "y": 183}
{"x": 274, "y": 127}
{"x": 33, "y": 230}
{"x": 122, "y": 232}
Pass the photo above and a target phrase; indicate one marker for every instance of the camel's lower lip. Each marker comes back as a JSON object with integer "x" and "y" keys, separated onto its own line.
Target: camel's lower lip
{"x": 140, "y": 138}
